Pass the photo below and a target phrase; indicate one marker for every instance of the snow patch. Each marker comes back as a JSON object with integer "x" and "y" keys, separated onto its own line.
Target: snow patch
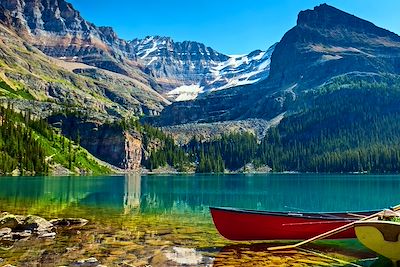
{"x": 147, "y": 52}
{"x": 240, "y": 70}
{"x": 186, "y": 92}
{"x": 259, "y": 56}
{"x": 265, "y": 65}
{"x": 152, "y": 60}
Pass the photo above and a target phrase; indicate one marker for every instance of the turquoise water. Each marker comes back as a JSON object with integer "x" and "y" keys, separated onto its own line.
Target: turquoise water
{"x": 194, "y": 193}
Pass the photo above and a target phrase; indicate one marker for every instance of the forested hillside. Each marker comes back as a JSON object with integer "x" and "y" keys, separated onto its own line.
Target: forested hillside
{"x": 29, "y": 145}
{"x": 351, "y": 124}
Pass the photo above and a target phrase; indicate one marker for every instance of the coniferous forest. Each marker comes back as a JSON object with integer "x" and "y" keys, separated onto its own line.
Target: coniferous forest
{"x": 19, "y": 148}
{"x": 354, "y": 129}
{"x": 30, "y": 145}
{"x": 348, "y": 126}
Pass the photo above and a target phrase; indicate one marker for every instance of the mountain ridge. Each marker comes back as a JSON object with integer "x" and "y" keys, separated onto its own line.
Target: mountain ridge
{"x": 308, "y": 55}
{"x": 59, "y": 30}
{"x": 189, "y": 68}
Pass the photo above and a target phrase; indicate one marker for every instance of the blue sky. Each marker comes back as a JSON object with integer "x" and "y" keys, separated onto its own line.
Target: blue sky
{"x": 229, "y": 26}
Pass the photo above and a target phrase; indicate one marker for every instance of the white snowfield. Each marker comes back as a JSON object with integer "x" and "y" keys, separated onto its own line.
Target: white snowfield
{"x": 185, "y": 92}
{"x": 237, "y": 70}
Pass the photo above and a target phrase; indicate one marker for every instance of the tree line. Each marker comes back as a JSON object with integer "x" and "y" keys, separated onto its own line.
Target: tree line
{"x": 349, "y": 126}
{"x": 19, "y": 146}
{"x": 29, "y": 144}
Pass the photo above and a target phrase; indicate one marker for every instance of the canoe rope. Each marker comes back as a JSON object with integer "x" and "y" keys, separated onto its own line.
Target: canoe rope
{"x": 330, "y": 215}
{"x": 356, "y": 215}
{"x": 329, "y": 257}
{"x": 312, "y": 223}
{"x": 327, "y": 215}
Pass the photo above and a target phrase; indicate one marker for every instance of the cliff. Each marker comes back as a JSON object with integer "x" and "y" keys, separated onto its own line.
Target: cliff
{"x": 108, "y": 142}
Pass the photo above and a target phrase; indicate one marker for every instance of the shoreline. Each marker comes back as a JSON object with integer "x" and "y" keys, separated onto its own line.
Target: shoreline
{"x": 148, "y": 173}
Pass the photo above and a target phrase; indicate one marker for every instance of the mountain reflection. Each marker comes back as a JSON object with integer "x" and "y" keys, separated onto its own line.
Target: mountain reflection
{"x": 180, "y": 194}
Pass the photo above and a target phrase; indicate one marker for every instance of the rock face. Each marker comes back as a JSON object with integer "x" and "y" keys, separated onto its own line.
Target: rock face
{"x": 28, "y": 74}
{"x": 58, "y": 29}
{"x": 133, "y": 151}
{"x": 119, "y": 148}
{"x": 108, "y": 142}
{"x": 325, "y": 43}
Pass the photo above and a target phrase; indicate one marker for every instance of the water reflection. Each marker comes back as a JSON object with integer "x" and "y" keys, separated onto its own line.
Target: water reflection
{"x": 132, "y": 193}
{"x": 181, "y": 194}
{"x": 271, "y": 192}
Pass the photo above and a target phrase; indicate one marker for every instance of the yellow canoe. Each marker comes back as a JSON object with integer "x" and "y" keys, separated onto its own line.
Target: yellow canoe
{"x": 383, "y": 237}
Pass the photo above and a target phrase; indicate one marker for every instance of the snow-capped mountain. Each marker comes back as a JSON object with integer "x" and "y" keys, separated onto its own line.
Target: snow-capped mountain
{"x": 242, "y": 70}
{"x": 179, "y": 70}
{"x": 186, "y": 69}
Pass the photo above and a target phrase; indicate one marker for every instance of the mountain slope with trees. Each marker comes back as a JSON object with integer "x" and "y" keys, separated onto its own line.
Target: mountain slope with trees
{"x": 29, "y": 145}
{"x": 351, "y": 124}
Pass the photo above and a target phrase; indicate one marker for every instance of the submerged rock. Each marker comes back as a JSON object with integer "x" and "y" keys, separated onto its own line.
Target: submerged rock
{"x": 186, "y": 256}
{"x": 5, "y": 231}
{"x": 38, "y": 224}
{"x": 16, "y": 227}
{"x": 21, "y": 235}
{"x": 69, "y": 222}
{"x": 47, "y": 235}
{"x": 90, "y": 262}
{"x": 10, "y": 221}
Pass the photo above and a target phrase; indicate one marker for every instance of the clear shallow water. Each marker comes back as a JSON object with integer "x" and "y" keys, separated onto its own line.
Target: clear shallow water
{"x": 169, "y": 202}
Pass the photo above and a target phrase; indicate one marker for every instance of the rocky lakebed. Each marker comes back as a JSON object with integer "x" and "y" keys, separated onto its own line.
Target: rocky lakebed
{"x": 152, "y": 240}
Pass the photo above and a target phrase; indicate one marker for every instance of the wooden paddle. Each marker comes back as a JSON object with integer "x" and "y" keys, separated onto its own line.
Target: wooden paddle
{"x": 331, "y": 232}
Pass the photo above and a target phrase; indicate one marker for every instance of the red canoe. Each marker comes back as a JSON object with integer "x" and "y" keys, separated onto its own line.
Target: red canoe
{"x": 240, "y": 224}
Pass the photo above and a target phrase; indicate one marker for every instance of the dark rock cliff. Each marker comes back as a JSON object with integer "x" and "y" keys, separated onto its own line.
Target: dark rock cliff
{"x": 108, "y": 142}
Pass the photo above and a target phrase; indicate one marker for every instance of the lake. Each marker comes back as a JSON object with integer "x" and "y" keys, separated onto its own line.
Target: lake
{"x": 163, "y": 220}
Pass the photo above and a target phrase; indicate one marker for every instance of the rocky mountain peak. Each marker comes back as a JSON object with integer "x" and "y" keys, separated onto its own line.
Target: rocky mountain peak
{"x": 327, "y": 42}
{"x": 186, "y": 69}
{"x": 328, "y": 17}
{"x": 109, "y": 35}
{"x": 156, "y": 46}
{"x": 56, "y": 16}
